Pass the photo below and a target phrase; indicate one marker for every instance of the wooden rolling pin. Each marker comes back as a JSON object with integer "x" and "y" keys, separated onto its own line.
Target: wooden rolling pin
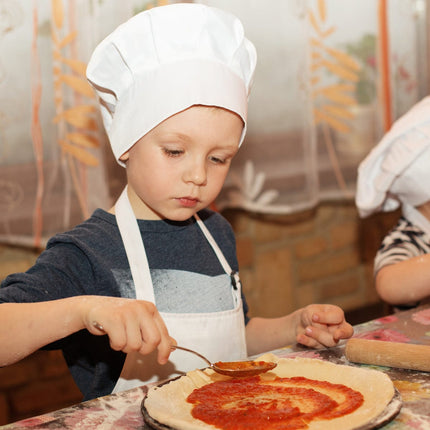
{"x": 391, "y": 354}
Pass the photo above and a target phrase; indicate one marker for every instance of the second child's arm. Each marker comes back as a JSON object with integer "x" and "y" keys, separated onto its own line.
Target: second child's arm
{"x": 132, "y": 325}
{"x": 404, "y": 282}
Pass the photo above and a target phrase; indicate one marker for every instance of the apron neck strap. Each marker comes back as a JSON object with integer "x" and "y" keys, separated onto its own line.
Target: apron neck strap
{"x": 134, "y": 248}
{"x": 224, "y": 263}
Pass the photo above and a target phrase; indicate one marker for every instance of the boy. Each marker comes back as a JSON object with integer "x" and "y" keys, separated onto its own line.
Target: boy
{"x": 397, "y": 173}
{"x": 118, "y": 290}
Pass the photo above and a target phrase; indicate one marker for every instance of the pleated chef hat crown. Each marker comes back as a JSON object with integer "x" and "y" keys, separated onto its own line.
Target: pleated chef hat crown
{"x": 397, "y": 170}
{"x": 166, "y": 59}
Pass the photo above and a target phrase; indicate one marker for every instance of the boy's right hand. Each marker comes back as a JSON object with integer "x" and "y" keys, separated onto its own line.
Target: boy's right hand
{"x": 132, "y": 325}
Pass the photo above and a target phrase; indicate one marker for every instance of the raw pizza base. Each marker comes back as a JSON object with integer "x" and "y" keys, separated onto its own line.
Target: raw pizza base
{"x": 166, "y": 405}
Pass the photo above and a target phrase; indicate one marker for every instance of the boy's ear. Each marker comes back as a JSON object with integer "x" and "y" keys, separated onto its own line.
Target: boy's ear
{"x": 124, "y": 157}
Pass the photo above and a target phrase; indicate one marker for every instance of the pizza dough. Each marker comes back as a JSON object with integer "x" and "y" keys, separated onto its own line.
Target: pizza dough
{"x": 167, "y": 404}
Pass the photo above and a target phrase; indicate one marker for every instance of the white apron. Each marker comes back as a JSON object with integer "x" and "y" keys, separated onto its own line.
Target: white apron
{"x": 217, "y": 335}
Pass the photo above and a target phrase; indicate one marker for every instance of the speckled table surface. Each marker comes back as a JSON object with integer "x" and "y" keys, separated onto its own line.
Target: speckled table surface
{"x": 123, "y": 410}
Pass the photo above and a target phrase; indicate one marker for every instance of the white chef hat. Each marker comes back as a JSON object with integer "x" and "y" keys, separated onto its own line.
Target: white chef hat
{"x": 397, "y": 170}
{"x": 165, "y": 60}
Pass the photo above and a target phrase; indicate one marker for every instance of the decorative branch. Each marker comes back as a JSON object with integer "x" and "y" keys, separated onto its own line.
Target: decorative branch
{"x": 332, "y": 112}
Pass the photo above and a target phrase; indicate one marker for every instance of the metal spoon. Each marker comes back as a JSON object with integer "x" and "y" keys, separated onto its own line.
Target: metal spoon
{"x": 234, "y": 368}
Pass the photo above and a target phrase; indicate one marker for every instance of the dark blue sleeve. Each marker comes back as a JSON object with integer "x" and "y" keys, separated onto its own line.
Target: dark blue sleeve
{"x": 56, "y": 274}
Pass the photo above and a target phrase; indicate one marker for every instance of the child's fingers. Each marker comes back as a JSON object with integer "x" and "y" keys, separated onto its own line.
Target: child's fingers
{"x": 117, "y": 336}
{"x": 344, "y": 331}
{"x": 338, "y": 331}
{"x": 165, "y": 348}
{"x": 308, "y": 341}
{"x": 324, "y": 326}
{"x": 140, "y": 340}
{"x": 150, "y": 336}
{"x": 329, "y": 315}
{"x": 304, "y": 340}
{"x": 315, "y": 337}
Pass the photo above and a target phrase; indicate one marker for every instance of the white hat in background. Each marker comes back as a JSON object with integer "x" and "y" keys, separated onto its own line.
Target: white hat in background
{"x": 397, "y": 170}
{"x": 165, "y": 60}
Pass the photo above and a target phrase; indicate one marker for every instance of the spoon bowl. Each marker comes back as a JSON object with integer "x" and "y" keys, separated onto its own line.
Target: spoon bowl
{"x": 242, "y": 368}
{"x": 235, "y": 369}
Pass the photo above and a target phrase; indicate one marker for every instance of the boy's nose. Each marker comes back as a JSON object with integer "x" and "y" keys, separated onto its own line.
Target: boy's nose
{"x": 196, "y": 173}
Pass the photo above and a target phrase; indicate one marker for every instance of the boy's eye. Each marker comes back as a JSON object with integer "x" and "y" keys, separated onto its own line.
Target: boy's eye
{"x": 173, "y": 152}
{"x": 218, "y": 160}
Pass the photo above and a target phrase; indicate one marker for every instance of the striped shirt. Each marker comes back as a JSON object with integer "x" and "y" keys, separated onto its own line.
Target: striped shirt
{"x": 403, "y": 242}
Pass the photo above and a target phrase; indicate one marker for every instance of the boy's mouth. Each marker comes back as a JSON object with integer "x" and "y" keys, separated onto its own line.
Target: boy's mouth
{"x": 188, "y": 202}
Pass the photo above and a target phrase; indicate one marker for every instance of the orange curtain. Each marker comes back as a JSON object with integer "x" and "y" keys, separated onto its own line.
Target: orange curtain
{"x": 384, "y": 60}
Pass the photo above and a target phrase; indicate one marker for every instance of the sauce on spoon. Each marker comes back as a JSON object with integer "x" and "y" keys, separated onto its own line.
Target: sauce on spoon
{"x": 235, "y": 369}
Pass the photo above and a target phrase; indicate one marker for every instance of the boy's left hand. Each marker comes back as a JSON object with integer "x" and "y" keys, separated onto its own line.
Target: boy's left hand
{"x": 322, "y": 326}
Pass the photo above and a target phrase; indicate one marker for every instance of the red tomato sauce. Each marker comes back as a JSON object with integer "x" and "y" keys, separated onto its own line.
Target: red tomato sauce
{"x": 284, "y": 403}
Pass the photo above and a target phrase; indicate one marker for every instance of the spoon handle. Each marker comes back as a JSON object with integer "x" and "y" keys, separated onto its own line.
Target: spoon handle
{"x": 192, "y": 352}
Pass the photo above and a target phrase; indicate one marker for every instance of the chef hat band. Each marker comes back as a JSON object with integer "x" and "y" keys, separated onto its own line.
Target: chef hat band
{"x": 413, "y": 185}
{"x": 166, "y": 59}
{"x": 397, "y": 170}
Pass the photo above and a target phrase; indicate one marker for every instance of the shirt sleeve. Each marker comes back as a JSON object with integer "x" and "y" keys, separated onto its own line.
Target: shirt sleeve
{"x": 56, "y": 274}
{"x": 403, "y": 242}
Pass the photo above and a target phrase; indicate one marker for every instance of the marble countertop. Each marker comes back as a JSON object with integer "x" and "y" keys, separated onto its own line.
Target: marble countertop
{"x": 123, "y": 410}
